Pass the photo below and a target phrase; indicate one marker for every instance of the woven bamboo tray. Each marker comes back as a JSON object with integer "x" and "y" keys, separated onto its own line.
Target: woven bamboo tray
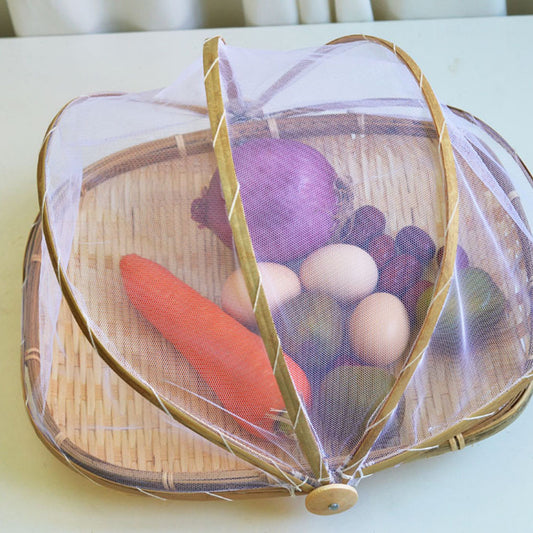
{"x": 82, "y": 426}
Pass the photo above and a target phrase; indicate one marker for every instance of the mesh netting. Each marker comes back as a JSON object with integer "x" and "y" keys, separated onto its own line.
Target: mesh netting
{"x": 340, "y": 165}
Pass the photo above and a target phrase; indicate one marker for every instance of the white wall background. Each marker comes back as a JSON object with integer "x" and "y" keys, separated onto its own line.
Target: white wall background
{"x": 204, "y": 13}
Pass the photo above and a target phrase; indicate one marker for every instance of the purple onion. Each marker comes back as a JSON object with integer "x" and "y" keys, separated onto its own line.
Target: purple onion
{"x": 288, "y": 193}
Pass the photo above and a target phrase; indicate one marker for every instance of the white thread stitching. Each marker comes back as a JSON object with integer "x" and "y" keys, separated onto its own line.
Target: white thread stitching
{"x": 440, "y": 292}
{"x": 75, "y": 467}
{"x": 150, "y": 494}
{"x": 218, "y": 496}
{"x": 222, "y": 119}
{"x": 355, "y": 465}
{"x": 91, "y": 339}
{"x": 452, "y": 217}
{"x": 295, "y": 485}
{"x": 480, "y": 416}
{"x": 296, "y": 420}
{"x": 303, "y": 482}
{"x": 230, "y": 449}
{"x": 234, "y": 201}
{"x": 210, "y": 68}
{"x": 422, "y": 449}
{"x": 377, "y": 422}
{"x": 413, "y": 361}
{"x": 441, "y": 135}
{"x": 48, "y": 133}
{"x": 258, "y": 291}
{"x": 278, "y": 352}
{"x": 160, "y": 401}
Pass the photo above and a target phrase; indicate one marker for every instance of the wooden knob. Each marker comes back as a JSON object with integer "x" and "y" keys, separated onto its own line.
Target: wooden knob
{"x": 331, "y": 499}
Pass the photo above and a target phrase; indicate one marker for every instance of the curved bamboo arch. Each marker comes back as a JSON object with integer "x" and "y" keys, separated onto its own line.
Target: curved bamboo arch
{"x": 444, "y": 277}
{"x": 226, "y": 442}
{"x": 294, "y": 405}
{"x": 243, "y": 244}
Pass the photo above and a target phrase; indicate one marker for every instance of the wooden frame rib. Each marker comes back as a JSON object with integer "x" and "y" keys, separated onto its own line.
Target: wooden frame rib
{"x": 444, "y": 277}
{"x": 137, "y": 384}
{"x": 243, "y": 245}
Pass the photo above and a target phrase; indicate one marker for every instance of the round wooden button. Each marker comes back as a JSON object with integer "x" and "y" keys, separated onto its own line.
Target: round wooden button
{"x": 331, "y": 499}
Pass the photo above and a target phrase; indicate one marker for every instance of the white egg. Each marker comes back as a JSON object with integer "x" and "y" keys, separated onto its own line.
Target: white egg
{"x": 379, "y": 329}
{"x": 343, "y": 271}
{"x": 280, "y": 284}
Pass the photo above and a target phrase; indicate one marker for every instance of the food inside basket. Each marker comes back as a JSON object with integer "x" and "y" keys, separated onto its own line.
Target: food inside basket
{"x": 289, "y": 190}
{"x": 347, "y": 303}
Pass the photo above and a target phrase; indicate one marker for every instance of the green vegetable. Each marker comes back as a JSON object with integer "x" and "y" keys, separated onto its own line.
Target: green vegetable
{"x": 474, "y": 306}
{"x": 310, "y": 328}
{"x": 348, "y": 396}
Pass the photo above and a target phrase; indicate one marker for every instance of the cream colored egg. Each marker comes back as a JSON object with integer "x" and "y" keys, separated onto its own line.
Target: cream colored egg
{"x": 343, "y": 271}
{"x": 280, "y": 284}
{"x": 379, "y": 329}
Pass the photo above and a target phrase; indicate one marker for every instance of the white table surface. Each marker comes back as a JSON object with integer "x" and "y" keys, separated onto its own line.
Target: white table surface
{"x": 484, "y": 66}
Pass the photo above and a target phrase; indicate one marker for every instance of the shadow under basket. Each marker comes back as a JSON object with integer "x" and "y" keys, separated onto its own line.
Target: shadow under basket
{"x": 104, "y": 427}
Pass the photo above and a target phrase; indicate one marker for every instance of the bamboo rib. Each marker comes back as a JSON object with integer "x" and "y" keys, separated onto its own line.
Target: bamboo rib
{"x": 141, "y": 387}
{"x": 230, "y": 187}
{"x": 446, "y": 271}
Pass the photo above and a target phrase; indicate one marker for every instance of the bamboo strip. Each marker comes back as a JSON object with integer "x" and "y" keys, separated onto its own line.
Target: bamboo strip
{"x": 248, "y": 264}
{"x": 447, "y": 263}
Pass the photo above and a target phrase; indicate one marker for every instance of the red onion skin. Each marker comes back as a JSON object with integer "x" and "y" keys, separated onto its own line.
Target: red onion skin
{"x": 210, "y": 212}
{"x": 288, "y": 194}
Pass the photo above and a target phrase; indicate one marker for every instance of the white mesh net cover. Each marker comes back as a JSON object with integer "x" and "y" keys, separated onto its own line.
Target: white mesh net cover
{"x": 348, "y": 300}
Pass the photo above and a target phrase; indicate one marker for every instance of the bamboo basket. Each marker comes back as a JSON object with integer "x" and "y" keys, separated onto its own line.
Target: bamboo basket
{"x": 109, "y": 429}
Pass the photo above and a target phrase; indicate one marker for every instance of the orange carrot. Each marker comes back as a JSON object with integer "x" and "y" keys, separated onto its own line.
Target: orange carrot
{"x": 230, "y": 358}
